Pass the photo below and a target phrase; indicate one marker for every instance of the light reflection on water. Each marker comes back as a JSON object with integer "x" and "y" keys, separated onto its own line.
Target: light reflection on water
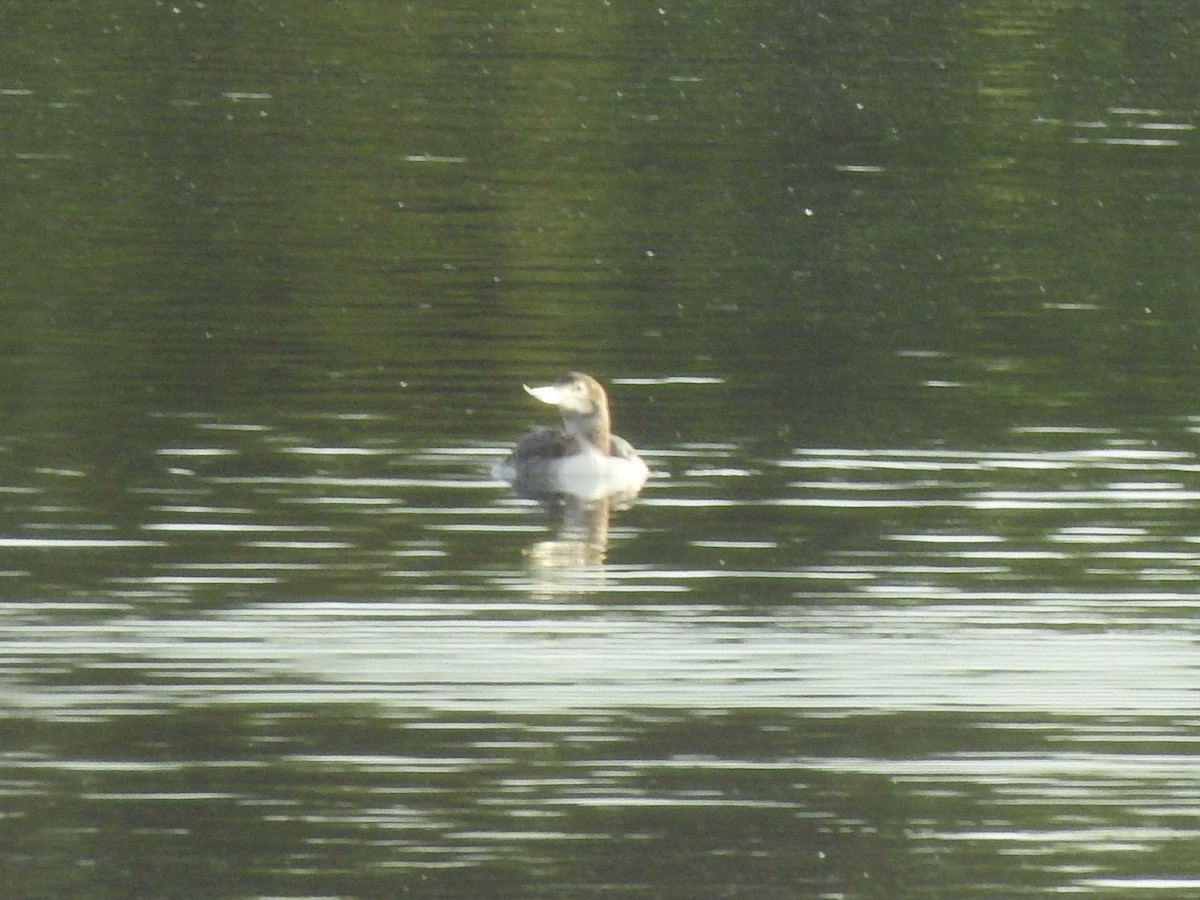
{"x": 1061, "y": 644}
{"x": 513, "y": 658}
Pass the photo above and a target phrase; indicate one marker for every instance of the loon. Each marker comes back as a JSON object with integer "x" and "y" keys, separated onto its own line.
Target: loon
{"x": 583, "y": 458}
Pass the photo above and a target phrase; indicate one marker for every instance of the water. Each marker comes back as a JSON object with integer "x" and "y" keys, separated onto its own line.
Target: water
{"x": 896, "y": 304}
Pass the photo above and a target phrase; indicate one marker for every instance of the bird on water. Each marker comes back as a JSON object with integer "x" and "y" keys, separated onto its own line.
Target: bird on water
{"x": 583, "y": 457}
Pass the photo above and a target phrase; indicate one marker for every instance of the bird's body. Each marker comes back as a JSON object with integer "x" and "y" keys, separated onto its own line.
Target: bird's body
{"x": 584, "y": 457}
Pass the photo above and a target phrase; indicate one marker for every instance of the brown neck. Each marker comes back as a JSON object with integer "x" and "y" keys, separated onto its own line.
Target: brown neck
{"x": 596, "y": 429}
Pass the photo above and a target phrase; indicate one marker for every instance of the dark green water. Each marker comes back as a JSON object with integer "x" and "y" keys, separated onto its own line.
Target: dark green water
{"x": 898, "y": 303}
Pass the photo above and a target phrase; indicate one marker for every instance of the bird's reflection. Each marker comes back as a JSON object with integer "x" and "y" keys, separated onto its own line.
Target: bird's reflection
{"x": 580, "y": 527}
{"x": 581, "y": 537}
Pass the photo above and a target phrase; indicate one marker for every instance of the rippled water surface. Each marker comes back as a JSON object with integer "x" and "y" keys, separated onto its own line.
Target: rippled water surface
{"x": 806, "y": 673}
{"x": 897, "y": 305}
